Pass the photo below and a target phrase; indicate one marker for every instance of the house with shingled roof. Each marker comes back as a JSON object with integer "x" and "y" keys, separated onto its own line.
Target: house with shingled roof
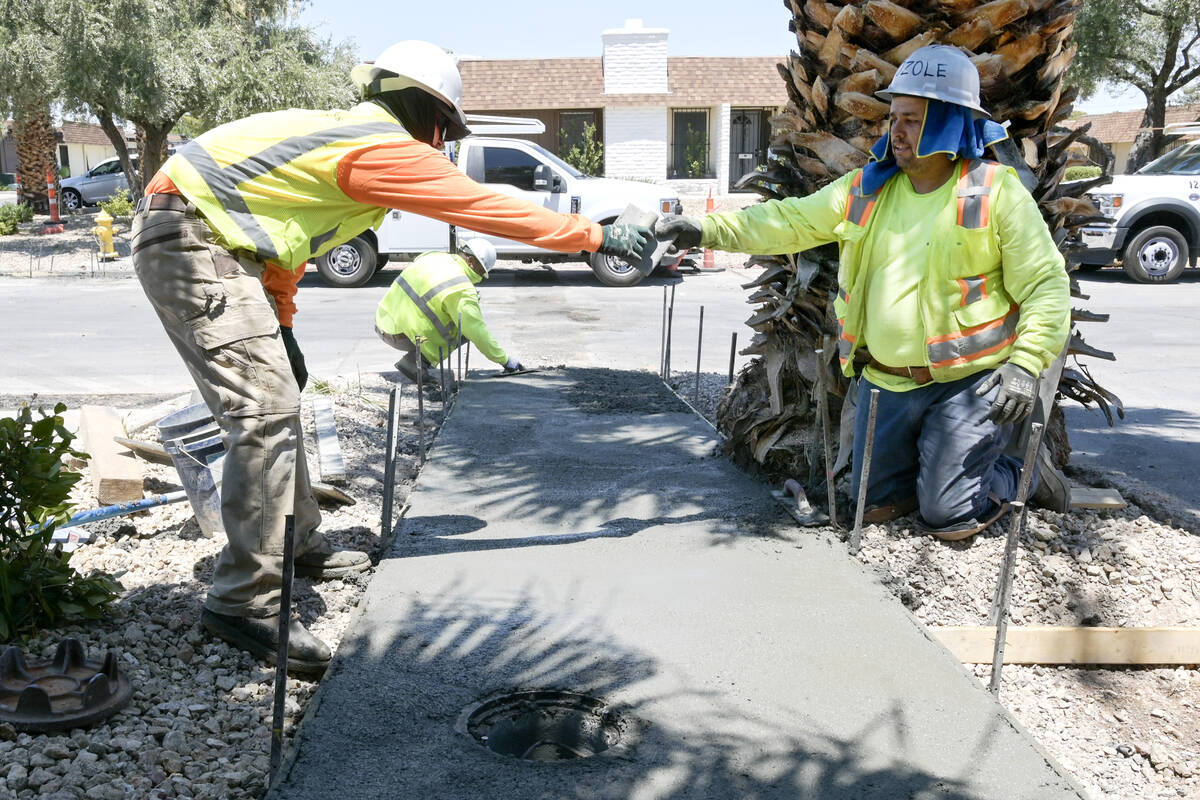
{"x": 1118, "y": 129}
{"x": 690, "y": 122}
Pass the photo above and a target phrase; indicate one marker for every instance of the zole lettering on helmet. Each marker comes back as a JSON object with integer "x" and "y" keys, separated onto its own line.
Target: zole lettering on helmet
{"x": 923, "y": 69}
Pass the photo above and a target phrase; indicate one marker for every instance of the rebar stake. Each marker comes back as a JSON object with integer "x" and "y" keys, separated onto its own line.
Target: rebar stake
{"x": 281, "y": 653}
{"x": 699, "y": 344}
{"x": 823, "y": 413}
{"x": 662, "y": 343}
{"x": 420, "y": 400}
{"x": 865, "y": 473}
{"x": 442, "y": 375}
{"x": 467, "y": 365}
{"x": 460, "y": 352}
{"x": 1015, "y": 526}
{"x": 670, "y": 326}
{"x": 732, "y": 355}
{"x": 389, "y": 466}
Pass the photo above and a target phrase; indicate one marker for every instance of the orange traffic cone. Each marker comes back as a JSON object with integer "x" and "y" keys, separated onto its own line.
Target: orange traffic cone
{"x": 710, "y": 261}
{"x": 56, "y": 224}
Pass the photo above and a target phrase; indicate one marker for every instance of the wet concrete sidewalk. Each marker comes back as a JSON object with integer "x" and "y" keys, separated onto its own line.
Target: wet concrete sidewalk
{"x": 563, "y": 538}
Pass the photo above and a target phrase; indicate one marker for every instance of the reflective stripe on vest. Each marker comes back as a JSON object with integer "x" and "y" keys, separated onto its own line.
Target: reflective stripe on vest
{"x": 974, "y": 192}
{"x": 976, "y": 342}
{"x": 421, "y": 301}
{"x": 973, "y": 289}
{"x": 859, "y": 206}
{"x": 223, "y": 182}
{"x": 845, "y": 343}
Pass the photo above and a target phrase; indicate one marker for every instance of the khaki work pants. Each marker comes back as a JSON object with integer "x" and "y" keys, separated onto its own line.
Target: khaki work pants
{"x": 222, "y": 322}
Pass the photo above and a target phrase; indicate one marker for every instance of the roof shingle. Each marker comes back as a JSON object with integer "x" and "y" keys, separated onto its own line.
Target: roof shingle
{"x": 541, "y": 83}
{"x": 1123, "y": 126}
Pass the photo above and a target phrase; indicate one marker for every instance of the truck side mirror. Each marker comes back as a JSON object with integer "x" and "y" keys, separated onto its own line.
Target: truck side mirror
{"x": 545, "y": 179}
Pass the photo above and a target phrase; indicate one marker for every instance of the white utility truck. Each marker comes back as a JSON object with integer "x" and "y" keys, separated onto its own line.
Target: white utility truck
{"x": 516, "y": 167}
{"x": 1155, "y": 213}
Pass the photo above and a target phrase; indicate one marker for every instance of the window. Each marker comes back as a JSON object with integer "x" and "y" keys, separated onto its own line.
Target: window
{"x": 689, "y": 143}
{"x": 64, "y": 158}
{"x": 571, "y": 126}
{"x": 108, "y": 168}
{"x": 508, "y": 165}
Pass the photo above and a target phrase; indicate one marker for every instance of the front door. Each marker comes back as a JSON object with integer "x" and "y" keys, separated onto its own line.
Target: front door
{"x": 747, "y": 142}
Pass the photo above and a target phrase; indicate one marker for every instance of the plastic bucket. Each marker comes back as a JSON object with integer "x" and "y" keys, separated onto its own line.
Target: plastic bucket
{"x": 195, "y": 461}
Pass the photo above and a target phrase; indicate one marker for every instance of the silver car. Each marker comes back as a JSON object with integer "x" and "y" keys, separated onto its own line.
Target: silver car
{"x": 98, "y": 183}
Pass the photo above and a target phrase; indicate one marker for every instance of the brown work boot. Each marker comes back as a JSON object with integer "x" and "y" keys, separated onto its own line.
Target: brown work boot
{"x": 967, "y": 528}
{"x": 1053, "y": 491}
{"x": 338, "y": 564}
{"x": 877, "y": 514}
{"x": 259, "y": 636}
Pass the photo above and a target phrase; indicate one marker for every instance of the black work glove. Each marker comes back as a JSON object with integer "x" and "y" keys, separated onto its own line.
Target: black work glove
{"x": 625, "y": 241}
{"x": 295, "y": 357}
{"x": 1015, "y": 400}
{"x": 686, "y": 231}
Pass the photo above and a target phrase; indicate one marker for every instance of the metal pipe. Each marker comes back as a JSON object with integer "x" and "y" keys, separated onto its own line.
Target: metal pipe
{"x": 864, "y": 475}
{"x": 823, "y": 413}
{"x": 699, "y": 344}
{"x": 389, "y": 466}
{"x": 281, "y": 653}
{"x": 662, "y": 343}
{"x": 1008, "y": 565}
{"x": 121, "y": 509}
{"x": 732, "y": 354}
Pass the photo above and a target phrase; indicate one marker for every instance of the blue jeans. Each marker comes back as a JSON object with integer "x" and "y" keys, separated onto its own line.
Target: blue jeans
{"x": 937, "y": 444}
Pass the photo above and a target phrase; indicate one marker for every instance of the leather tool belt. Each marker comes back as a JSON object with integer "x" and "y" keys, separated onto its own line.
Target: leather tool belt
{"x": 161, "y": 202}
{"x": 919, "y": 374}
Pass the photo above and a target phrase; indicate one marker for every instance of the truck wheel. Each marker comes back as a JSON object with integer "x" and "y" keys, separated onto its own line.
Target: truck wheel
{"x": 350, "y": 264}
{"x": 1156, "y": 255}
{"x": 612, "y": 271}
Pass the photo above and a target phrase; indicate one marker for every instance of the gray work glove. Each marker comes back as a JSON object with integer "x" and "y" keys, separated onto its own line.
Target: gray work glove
{"x": 295, "y": 357}
{"x": 1015, "y": 400}
{"x": 625, "y": 241}
{"x": 512, "y": 365}
{"x": 686, "y": 231}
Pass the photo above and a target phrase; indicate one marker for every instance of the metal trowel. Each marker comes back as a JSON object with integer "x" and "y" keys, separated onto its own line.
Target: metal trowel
{"x": 632, "y": 215}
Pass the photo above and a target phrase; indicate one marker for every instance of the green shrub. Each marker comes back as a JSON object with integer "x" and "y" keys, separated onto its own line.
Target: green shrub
{"x": 11, "y": 214}
{"x": 119, "y": 205}
{"x": 38, "y": 585}
{"x": 1081, "y": 173}
{"x": 586, "y": 155}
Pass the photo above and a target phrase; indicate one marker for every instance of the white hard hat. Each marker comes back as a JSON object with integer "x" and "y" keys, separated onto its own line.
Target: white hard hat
{"x": 937, "y": 72}
{"x": 482, "y": 251}
{"x": 416, "y": 64}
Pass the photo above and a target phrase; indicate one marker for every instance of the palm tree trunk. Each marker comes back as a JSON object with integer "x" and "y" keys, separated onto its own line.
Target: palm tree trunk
{"x": 36, "y": 145}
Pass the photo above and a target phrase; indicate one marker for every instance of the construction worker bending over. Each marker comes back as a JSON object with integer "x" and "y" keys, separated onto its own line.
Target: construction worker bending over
{"x": 951, "y": 292}
{"x": 427, "y": 301}
{"x": 220, "y": 241}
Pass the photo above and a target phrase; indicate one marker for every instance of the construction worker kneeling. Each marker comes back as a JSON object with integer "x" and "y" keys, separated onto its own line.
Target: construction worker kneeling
{"x": 433, "y": 303}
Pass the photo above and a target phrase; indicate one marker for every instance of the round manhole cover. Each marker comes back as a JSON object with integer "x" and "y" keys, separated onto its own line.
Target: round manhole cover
{"x": 544, "y": 725}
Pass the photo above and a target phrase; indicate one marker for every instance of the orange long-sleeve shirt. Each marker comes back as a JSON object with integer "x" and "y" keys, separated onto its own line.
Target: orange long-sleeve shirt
{"x": 411, "y": 176}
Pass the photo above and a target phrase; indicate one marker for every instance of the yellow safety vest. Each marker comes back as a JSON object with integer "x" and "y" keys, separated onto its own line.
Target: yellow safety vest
{"x": 970, "y": 320}
{"x": 267, "y": 184}
{"x": 420, "y": 300}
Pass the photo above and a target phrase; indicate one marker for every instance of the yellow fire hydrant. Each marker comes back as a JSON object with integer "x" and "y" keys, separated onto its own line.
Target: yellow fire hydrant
{"x": 104, "y": 231}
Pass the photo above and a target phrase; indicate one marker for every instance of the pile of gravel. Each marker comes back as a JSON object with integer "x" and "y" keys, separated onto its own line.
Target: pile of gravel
{"x": 1125, "y": 733}
{"x": 198, "y": 724}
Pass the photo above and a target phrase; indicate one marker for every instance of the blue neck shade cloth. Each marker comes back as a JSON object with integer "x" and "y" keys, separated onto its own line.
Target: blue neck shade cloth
{"x": 948, "y": 128}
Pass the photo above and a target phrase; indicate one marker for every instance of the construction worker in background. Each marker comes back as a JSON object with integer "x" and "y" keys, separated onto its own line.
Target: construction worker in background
{"x": 951, "y": 294}
{"x": 221, "y": 239}
{"x": 429, "y": 299}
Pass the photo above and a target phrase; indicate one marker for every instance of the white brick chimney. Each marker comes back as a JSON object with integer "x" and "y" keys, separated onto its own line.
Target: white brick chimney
{"x": 635, "y": 59}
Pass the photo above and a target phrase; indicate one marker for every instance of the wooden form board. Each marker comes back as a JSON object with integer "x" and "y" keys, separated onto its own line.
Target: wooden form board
{"x": 1088, "y": 497}
{"x": 333, "y": 466}
{"x": 116, "y": 474}
{"x": 1052, "y": 644}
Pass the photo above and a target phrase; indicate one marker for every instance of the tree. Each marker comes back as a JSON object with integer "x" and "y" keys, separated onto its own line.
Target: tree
{"x": 214, "y": 61}
{"x": 845, "y": 54}
{"x": 586, "y": 153}
{"x": 1152, "y": 45}
{"x": 27, "y": 87}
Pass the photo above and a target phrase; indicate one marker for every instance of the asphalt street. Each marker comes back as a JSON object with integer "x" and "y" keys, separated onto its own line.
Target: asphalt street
{"x": 91, "y": 336}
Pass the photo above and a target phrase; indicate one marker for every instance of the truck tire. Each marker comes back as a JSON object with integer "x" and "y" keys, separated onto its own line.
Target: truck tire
{"x": 612, "y": 271}
{"x": 350, "y": 264}
{"x": 1156, "y": 255}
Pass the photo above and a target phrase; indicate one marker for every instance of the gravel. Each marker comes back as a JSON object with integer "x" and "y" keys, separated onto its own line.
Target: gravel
{"x": 1126, "y": 734}
{"x": 198, "y": 724}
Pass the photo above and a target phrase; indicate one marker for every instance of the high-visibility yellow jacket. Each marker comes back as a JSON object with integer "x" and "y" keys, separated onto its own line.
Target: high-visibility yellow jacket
{"x": 995, "y": 289}
{"x": 268, "y": 184}
{"x": 428, "y": 298}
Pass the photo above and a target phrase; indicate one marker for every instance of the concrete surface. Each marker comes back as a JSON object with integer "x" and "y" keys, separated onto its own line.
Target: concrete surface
{"x": 562, "y": 537}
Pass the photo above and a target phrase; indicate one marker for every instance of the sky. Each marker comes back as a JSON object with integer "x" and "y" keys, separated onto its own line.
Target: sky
{"x": 566, "y": 28}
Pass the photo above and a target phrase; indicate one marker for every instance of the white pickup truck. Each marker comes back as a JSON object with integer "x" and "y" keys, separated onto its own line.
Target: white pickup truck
{"x": 1155, "y": 212}
{"x": 516, "y": 167}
